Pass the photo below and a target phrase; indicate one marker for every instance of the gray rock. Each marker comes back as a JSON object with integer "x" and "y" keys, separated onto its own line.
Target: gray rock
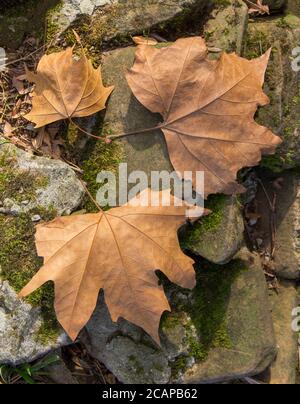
{"x": 282, "y": 84}
{"x": 220, "y": 331}
{"x": 73, "y": 9}
{"x": 220, "y": 235}
{"x": 48, "y": 184}
{"x": 20, "y": 325}
{"x": 62, "y": 190}
{"x": 287, "y": 251}
{"x": 125, "y": 349}
{"x": 117, "y": 18}
{"x": 252, "y": 344}
{"x": 284, "y": 368}
{"x": 227, "y": 26}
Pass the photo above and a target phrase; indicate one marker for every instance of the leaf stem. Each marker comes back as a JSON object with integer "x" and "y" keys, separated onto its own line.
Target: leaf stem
{"x": 84, "y": 131}
{"x": 91, "y": 196}
{"x": 136, "y": 132}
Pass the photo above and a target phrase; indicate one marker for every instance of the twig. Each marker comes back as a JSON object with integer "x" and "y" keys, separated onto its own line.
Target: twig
{"x": 136, "y": 132}
{"x": 91, "y": 196}
{"x": 266, "y": 194}
{"x": 84, "y": 131}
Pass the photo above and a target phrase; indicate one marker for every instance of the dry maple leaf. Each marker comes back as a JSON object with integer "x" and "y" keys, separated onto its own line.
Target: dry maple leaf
{"x": 66, "y": 88}
{"x": 142, "y": 40}
{"x": 208, "y": 109}
{"x": 257, "y": 7}
{"x": 117, "y": 251}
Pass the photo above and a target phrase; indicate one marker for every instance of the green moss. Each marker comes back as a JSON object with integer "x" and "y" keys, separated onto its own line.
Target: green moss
{"x": 274, "y": 163}
{"x": 18, "y": 258}
{"x": 24, "y": 19}
{"x": 135, "y": 363}
{"x": 257, "y": 43}
{"x": 208, "y": 311}
{"x": 52, "y": 27}
{"x": 204, "y": 317}
{"x": 170, "y": 320}
{"x": 216, "y": 203}
{"x": 98, "y": 157}
{"x": 178, "y": 366}
{"x": 17, "y": 185}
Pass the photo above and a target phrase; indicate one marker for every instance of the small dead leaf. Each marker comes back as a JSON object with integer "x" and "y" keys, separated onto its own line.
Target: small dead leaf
{"x": 65, "y": 88}
{"x": 142, "y": 40}
{"x": 8, "y": 129}
{"x": 117, "y": 251}
{"x": 257, "y": 7}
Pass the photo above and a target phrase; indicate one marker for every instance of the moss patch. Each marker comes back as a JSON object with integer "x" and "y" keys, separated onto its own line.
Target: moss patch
{"x": 216, "y": 203}
{"x": 96, "y": 156}
{"x": 18, "y": 258}
{"x": 208, "y": 327}
{"x": 24, "y": 19}
{"x": 17, "y": 185}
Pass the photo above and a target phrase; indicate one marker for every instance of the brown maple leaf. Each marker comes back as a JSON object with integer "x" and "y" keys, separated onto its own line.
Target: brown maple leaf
{"x": 65, "y": 88}
{"x": 208, "y": 109}
{"x": 117, "y": 251}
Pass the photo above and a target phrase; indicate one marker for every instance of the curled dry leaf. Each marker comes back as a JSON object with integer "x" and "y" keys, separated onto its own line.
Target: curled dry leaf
{"x": 257, "y": 7}
{"x": 142, "y": 40}
{"x": 65, "y": 88}
{"x": 117, "y": 251}
{"x": 208, "y": 109}
{"x": 8, "y": 129}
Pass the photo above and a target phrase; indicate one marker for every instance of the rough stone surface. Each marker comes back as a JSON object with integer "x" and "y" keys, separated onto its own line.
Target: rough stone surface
{"x": 119, "y": 18}
{"x": 227, "y": 25}
{"x": 73, "y": 9}
{"x": 287, "y": 251}
{"x": 24, "y": 336}
{"x": 221, "y": 240}
{"x": 62, "y": 192}
{"x": 253, "y": 345}
{"x": 283, "y": 370}
{"x": 275, "y": 5}
{"x": 220, "y": 331}
{"x": 19, "y": 329}
{"x": 21, "y": 19}
{"x": 282, "y": 84}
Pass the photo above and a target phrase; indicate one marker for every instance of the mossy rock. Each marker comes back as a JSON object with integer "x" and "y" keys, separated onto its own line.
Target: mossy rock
{"x": 282, "y": 85}
{"x": 103, "y": 21}
{"x": 283, "y": 302}
{"x": 226, "y": 28}
{"x": 218, "y": 236}
{"x": 287, "y": 243}
{"x": 39, "y": 189}
{"x": 220, "y": 331}
{"x": 275, "y": 5}
{"x": 23, "y": 19}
